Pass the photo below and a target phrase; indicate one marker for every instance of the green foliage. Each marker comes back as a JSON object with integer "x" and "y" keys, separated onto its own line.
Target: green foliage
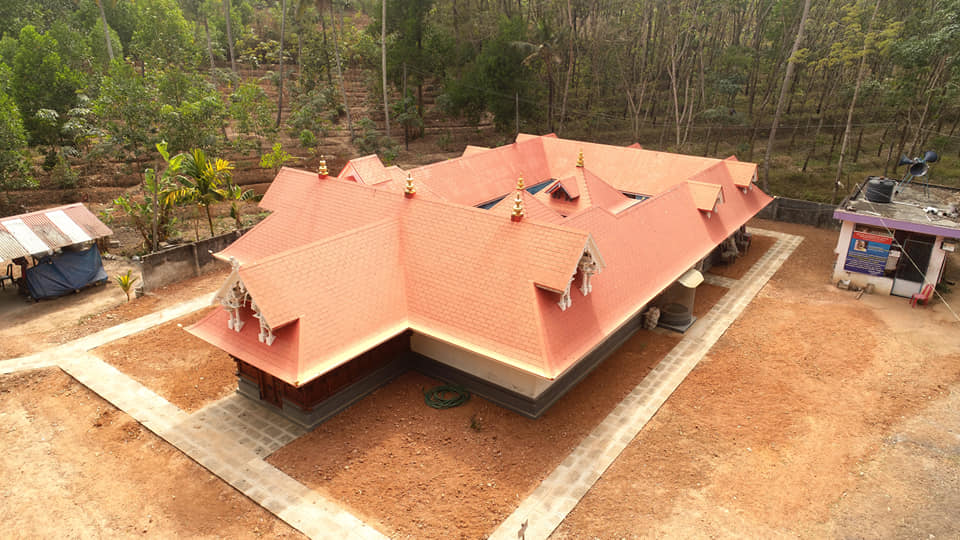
{"x": 263, "y": 53}
{"x": 202, "y": 181}
{"x": 253, "y": 111}
{"x": 276, "y": 158}
{"x": 494, "y": 80}
{"x": 163, "y": 35}
{"x": 238, "y": 197}
{"x": 63, "y": 176}
{"x": 157, "y": 192}
{"x": 128, "y": 108}
{"x": 405, "y": 113}
{"x": 369, "y": 140}
{"x": 14, "y": 170}
{"x": 197, "y": 123}
{"x": 42, "y": 80}
{"x": 126, "y": 281}
{"x": 307, "y": 138}
{"x": 315, "y": 110}
{"x": 98, "y": 46}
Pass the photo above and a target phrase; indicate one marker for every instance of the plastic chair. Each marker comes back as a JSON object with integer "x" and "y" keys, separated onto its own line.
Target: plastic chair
{"x": 923, "y": 296}
{"x": 7, "y": 277}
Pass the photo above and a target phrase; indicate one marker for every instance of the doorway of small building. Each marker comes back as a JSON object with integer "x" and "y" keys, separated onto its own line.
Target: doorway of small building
{"x": 912, "y": 267}
{"x": 271, "y": 389}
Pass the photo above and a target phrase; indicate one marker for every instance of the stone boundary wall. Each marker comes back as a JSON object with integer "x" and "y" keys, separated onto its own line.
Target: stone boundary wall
{"x": 184, "y": 261}
{"x": 802, "y": 212}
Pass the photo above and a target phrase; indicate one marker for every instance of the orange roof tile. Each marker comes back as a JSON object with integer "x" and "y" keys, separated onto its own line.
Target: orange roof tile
{"x": 339, "y": 267}
{"x": 705, "y": 196}
{"x": 533, "y": 209}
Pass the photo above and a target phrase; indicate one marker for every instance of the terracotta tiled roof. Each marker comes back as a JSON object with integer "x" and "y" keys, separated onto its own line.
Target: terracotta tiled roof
{"x": 416, "y": 264}
{"x": 589, "y": 191}
{"x": 533, "y": 208}
{"x": 705, "y": 196}
{"x": 340, "y": 267}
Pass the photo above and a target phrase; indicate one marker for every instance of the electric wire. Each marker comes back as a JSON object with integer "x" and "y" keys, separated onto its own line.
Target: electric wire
{"x": 916, "y": 266}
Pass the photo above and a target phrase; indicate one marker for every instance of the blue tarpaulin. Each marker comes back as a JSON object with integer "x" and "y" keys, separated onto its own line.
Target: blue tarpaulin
{"x": 65, "y": 273}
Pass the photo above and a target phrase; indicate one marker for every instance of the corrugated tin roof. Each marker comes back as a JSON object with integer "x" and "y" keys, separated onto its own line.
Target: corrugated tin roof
{"x": 35, "y": 233}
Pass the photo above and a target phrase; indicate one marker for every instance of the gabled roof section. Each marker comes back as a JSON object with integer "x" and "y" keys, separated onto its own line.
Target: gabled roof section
{"x": 566, "y": 186}
{"x": 470, "y": 150}
{"x": 628, "y": 169}
{"x": 481, "y": 177}
{"x": 706, "y": 197}
{"x": 385, "y": 264}
{"x": 340, "y": 266}
{"x": 591, "y": 191}
{"x": 533, "y": 208}
{"x": 368, "y": 170}
{"x": 307, "y": 209}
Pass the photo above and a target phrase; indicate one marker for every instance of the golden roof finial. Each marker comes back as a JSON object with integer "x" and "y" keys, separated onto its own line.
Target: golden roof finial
{"x": 520, "y": 182}
{"x": 517, "y": 214}
{"x": 322, "y": 172}
{"x": 409, "y": 191}
{"x": 580, "y": 159}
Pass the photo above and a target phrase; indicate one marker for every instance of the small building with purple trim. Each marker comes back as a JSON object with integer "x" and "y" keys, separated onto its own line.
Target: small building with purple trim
{"x": 896, "y": 236}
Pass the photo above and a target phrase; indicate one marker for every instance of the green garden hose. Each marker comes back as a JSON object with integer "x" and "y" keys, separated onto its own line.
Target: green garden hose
{"x": 446, "y": 397}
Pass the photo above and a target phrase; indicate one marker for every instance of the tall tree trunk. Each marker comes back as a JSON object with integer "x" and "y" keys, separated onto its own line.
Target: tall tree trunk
{"x": 283, "y": 20}
{"x": 209, "y": 219}
{"x": 566, "y": 84}
{"x": 233, "y": 62}
{"x": 206, "y": 30}
{"x": 326, "y": 54}
{"x": 106, "y": 30}
{"x": 787, "y": 81}
{"x": 383, "y": 64}
{"x": 853, "y": 102}
{"x": 343, "y": 88}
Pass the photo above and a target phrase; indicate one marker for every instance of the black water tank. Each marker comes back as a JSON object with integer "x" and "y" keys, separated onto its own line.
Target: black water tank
{"x": 879, "y": 189}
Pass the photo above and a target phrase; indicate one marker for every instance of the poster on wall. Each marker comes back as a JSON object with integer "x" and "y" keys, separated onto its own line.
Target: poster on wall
{"x": 868, "y": 253}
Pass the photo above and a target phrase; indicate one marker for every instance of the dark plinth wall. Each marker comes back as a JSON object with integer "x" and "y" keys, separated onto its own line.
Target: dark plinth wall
{"x": 325, "y": 396}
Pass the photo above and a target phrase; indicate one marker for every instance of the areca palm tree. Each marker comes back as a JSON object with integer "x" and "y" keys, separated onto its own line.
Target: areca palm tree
{"x": 203, "y": 181}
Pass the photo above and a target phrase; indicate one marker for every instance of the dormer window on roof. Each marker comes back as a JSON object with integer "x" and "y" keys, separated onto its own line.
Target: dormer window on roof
{"x": 567, "y": 190}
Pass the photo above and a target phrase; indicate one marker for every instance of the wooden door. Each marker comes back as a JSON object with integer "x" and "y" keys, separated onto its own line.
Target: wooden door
{"x": 271, "y": 389}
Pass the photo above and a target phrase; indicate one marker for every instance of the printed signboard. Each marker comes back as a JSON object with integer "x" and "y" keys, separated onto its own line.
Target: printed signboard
{"x": 868, "y": 253}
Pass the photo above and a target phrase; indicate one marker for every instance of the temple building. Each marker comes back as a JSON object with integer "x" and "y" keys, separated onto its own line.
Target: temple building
{"x": 512, "y": 271}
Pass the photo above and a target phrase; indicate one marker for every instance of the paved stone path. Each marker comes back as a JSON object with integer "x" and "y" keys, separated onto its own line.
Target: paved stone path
{"x": 231, "y": 437}
{"x": 559, "y": 493}
{"x": 253, "y": 425}
{"x": 720, "y": 281}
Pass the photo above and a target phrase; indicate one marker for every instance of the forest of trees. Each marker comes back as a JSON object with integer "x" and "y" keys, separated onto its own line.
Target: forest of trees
{"x": 815, "y": 82}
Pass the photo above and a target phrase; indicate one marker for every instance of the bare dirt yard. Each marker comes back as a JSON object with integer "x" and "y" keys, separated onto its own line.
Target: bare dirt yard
{"x": 816, "y": 415}
{"x": 30, "y": 327}
{"x": 416, "y": 472}
{"x": 73, "y": 466}
{"x": 183, "y": 369}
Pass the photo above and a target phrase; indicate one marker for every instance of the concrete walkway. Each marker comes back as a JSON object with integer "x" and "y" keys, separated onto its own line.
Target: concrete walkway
{"x": 231, "y": 437}
{"x": 559, "y": 493}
